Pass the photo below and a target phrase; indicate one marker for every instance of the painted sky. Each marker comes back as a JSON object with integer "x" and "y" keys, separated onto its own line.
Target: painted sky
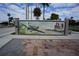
{"x": 18, "y": 10}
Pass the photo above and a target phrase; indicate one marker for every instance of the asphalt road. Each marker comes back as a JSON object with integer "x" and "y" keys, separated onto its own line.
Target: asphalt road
{"x": 6, "y": 30}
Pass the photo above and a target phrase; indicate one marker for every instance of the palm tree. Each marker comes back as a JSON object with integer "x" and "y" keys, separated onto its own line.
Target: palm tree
{"x": 72, "y": 21}
{"x": 8, "y": 14}
{"x": 9, "y": 17}
{"x": 71, "y": 18}
{"x": 44, "y": 5}
{"x": 37, "y": 12}
{"x": 54, "y": 16}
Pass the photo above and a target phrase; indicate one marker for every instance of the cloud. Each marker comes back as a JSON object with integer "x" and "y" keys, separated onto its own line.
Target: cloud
{"x": 65, "y": 10}
{"x": 18, "y": 10}
{"x": 63, "y": 5}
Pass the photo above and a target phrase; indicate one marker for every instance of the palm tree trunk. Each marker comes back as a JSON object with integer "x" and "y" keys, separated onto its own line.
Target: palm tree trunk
{"x": 28, "y": 11}
{"x": 8, "y": 20}
{"x": 37, "y": 18}
{"x": 43, "y": 12}
{"x": 31, "y": 13}
{"x": 37, "y": 5}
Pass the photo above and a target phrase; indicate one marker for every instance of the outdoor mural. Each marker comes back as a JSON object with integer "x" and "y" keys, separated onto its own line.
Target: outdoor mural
{"x": 41, "y": 27}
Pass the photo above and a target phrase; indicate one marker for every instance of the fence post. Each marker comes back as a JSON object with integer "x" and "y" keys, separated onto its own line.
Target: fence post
{"x": 17, "y": 25}
{"x": 66, "y": 29}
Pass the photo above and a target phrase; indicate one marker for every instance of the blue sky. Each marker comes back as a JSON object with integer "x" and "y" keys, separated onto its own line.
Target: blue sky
{"x": 18, "y": 10}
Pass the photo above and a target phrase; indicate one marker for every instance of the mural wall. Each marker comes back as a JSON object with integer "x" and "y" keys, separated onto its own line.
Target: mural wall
{"x": 41, "y": 27}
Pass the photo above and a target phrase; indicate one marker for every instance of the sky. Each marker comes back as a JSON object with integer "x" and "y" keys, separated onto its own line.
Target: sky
{"x": 18, "y": 10}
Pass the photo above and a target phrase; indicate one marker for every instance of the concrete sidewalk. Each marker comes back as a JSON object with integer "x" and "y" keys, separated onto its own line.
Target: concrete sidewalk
{"x": 6, "y": 31}
{"x": 4, "y": 40}
{"x": 72, "y": 36}
{"x": 5, "y": 35}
